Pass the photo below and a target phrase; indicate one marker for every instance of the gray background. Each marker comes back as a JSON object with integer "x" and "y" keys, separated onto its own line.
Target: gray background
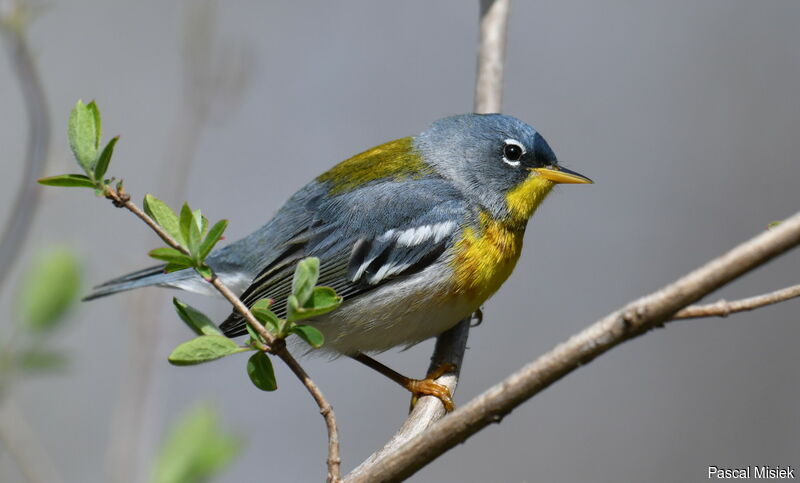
{"x": 685, "y": 113}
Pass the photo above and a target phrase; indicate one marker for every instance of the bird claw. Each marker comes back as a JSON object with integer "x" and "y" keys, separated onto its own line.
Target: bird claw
{"x": 429, "y": 387}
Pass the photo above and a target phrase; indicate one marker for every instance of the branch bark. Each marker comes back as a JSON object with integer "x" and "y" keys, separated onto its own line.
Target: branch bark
{"x": 277, "y": 347}
{"x": 630, "y": 321}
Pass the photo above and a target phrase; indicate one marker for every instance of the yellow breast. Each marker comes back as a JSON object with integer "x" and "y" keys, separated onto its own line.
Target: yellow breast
{"x": 485, "y": 258}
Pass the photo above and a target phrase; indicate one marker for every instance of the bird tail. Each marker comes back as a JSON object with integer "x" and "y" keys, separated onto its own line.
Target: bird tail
{"x": 142, "y": 278}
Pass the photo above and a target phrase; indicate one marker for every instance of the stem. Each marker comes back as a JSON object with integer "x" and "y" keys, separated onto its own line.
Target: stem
{"x": 276, "y": 346}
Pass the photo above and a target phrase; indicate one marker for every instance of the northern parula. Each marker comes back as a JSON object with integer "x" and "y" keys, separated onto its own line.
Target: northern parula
{"x": 415, "y": 234}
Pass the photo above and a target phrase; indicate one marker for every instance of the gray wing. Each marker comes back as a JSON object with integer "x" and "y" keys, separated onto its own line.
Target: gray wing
{"x": 364, "y": 239}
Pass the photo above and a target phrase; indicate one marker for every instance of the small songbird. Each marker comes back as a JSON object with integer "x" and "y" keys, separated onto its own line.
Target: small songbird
{"x": 415, "y": 234}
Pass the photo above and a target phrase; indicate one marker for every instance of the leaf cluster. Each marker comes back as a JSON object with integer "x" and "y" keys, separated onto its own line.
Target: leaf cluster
{"x": 306, "y": 301}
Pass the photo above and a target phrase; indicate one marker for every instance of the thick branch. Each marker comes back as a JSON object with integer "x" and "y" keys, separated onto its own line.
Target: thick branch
{"x": 723, "y": 308}
{"x": 491, "y": 55}
{"x": 122, "y": 200}
{"x": 630, "y": 321}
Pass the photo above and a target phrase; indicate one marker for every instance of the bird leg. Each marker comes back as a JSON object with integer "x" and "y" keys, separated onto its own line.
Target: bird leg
{"x": 417, "y": 387}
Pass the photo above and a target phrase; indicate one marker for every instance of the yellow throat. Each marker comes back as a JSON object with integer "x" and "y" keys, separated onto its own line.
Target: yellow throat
{"x": 486, "y": 257}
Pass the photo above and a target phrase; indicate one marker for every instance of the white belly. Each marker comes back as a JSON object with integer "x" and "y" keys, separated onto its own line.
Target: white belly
{"x": 401, "y": 313}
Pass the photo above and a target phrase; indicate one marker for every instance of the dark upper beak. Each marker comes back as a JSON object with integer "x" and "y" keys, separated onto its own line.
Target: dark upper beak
{"x": 557, "y": 174}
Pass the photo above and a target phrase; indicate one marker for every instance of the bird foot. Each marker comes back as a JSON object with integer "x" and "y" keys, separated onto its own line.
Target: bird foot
{"x": 429, "y": 387}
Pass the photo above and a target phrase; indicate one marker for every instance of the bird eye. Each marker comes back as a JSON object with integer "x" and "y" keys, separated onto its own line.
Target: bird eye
{"x": 512, "y": 152}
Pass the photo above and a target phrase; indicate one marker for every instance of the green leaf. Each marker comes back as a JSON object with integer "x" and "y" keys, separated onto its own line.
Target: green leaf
{"x": 305, "y": 277}
{"x": 82, "y": 132}
{"x": 196, "y": 449}
{"x": 201, "y": 222}
{"x": 323, "y": 298}
{"x": 311, "y": 335}
{"x": 190, "y": 229}
{"x": 172, "y": 256}
{"x": 259, "y": 368}
{"x": 174, "y": 267}
{"x": 164, "y": 216}
{"x": 268, "y": 318}
{"x": 71, "y": 180}
{"x": 322, "y": 301}
{"x": 186, "y": 220}
{"x": 40, "y": 360}
{"x": 50, "y": 288}
{"x": 212, "y": 238}
{"x": 205, "y": 271}
{"x": 105, "y": 157}
{"x": 203, "y": 349}
{"x": 773, "y": 224}
{"x": 98, "y": 131}
{"x": 196, "y": 320}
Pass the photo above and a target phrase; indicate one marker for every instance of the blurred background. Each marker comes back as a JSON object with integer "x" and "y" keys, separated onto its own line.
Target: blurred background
{"x": 686, "y": 114}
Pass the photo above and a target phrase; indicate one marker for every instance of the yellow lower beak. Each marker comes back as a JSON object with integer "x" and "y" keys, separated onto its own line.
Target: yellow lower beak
{"x": 557, "y": 174}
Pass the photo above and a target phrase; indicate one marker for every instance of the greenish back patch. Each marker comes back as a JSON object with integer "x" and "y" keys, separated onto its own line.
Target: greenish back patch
{"x": 397, "y": 160}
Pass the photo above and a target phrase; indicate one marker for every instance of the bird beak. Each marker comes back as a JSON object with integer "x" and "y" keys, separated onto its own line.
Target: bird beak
{"x": 557, "y": 174}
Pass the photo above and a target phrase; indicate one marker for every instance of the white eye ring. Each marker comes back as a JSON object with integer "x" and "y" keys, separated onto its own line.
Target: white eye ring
{"x": 513, "y": 142}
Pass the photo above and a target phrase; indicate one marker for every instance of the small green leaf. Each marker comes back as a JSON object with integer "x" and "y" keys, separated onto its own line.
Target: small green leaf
{"x": 212, "y": 238}
{"x": 105, "y": 157}
{"x": 98, "y": 131}
{"x": 196, "y": 320}
{"x": 82, "y": 132}
{"x": 322, "y": 301}
{"x": 164, "y": 216}
{"x": 186, "y": 221}
{"x": 254, "y": 336}
{"x": 71, "y": 180}
{"x": 171, "y": 255}
{"x": 259, "y": 368}
{"x": 773, "y": 224}
{"x": 305, "y": 277}
{"x": 203, "y": 349}
{"x": 50, "y": 288}
{"x": 196, "y": 449}
{"x": 201, "y": 222}
{"x": 205, "y": 272}
{"x": 311, "y": 335}
{"x": 174, "y": 267}
{"x": 268, "y": 318}
{"x": 323, "y": 298}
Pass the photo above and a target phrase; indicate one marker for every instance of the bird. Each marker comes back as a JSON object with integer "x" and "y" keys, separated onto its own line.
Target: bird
{"x": 415, "y": 234}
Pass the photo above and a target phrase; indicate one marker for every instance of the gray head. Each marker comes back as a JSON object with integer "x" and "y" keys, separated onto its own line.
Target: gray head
{"x": 486, "y": 156}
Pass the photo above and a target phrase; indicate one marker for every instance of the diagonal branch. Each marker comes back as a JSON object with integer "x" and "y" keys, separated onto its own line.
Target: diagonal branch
{"x": 277, "y": 347}
{"x": 630, "y": 321}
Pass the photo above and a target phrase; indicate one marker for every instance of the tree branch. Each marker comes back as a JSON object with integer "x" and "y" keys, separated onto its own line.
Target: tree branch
{"x": 277, "y": 347}
{"x": 723, "y": 308}
{"x": 13, "y": 18}
{"x": 630, "y": 321}
{"x": 451, "y": 345}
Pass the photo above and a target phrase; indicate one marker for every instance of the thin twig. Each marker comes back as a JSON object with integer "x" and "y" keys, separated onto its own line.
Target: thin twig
{"x": 723, "y": 308}
{"x": 21, "y": 215}
{"x": 277, "y": 347}
{"x": 451, "y": 345}
{"x": 626, "y": 323}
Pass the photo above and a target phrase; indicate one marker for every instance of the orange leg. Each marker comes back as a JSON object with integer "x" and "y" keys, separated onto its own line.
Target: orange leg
{"x": 417, "y": 387}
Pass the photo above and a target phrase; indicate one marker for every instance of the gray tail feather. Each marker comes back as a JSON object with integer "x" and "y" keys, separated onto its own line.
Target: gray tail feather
{"x": 142, "y": 278}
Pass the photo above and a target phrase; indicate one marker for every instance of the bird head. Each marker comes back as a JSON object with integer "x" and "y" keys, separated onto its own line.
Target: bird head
{"x": 497, "y": 161}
